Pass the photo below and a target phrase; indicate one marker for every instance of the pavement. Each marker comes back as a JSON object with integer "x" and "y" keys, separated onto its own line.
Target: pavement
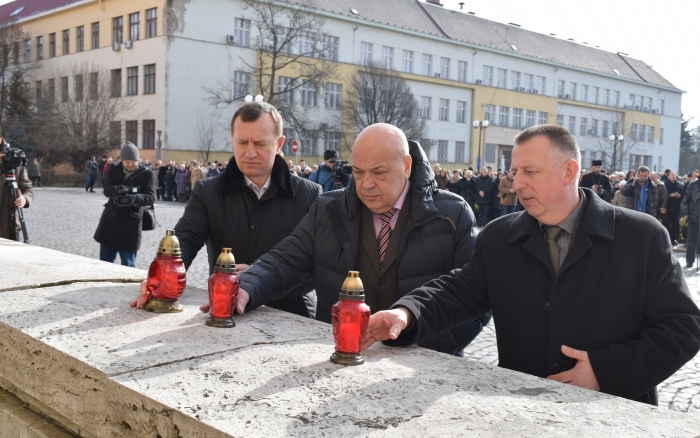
{"x": 65, "y": 219}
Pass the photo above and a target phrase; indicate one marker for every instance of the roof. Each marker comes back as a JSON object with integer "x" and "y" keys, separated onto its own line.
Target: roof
{"x": 27, "y": 8}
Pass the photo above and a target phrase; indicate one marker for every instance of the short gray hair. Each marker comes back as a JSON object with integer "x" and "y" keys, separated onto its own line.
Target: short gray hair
{"x": 559, "y": 137}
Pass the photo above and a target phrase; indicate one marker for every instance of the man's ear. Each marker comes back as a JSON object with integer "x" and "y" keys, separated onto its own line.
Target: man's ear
{"x": 572, "y": 170}
{"x": 280, "y": 143}
{"x": 408, "y": 162}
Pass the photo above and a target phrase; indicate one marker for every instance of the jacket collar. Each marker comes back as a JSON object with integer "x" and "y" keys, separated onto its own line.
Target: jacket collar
{"x": 598, "y": 220}
{"x": 281, "y": 178}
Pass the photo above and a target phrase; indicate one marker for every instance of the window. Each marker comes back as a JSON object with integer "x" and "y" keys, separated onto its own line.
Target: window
{"x": 27, "y": 50}
{"x": 561, "y": 86}
{"x": 309, "y": 94}
{"x": 541, "y": 85}
{"x": 333, "y": 96}
{"x": 132, "y": 132}
{"x": 115, "y": 134}
{"x": 66, "y": 42}
{"x": 51, "y": 95}
{"x": 461, "y": 112}
{"x": 134, "y": 26}
{"x": 241, "y": 83}
{"x": 515, "y": 80}
{"x": 502, "y": 77}
{"x": 503, "y": 116}
{"x": 93, "y": 85}
{"x": 365, "y": 53}
{"x": 661, "y": 106}
{"x": 630, "y": 100}
{"x": 78, "y": 84}
{"x": 64, "y": 89}
{"x": 15, "y": 52}
{"x": 616, "y": 101}
{"x": 605, "y": 129}
{"x": 584, "y": 93}
{"x": 95, "y": 35}
{"x": 594, "y": 127}
{"x": 459, "y": 151}
{"x": 333, "y": 140}
{"x": 661, "y": 136}
{"x": 116, "y": 83}
{"x": 544, "y": 117}
{"x": 285, "y": 83}
{"x": 38, "y": 91}
{"x": 149, "y": 134}
{"x": 442, "y": 150}
{"x": 596, "y": 95}
{"x": 132, "y": 81}
{"x": 462, "y": 71}
{"x": 444, "y": 110}
{"x": 427, "y": 66}
{"x": 640, "y": 103}
{"x": 529, "y": 118}
{"x": 641, "y": 133}
{"x": 606, "y": 97}
{"x": 647, "y": 105}
{"x": 330, "y": 47}
{"x": 529, "y": 82}
{"x": 616, "y": 128}
{"x": 572, "y": 125}
{"x": 425, "y": 103}
{"x": 445, "y": 68}
{"x": 307, "y": 43}
{"x": 489, "y": 113}
{"x": 517, "y": 118}
{"x": 149, "y": 79}
{"x": 308, "y": 143}
{"x": 560, "y": 120}
{"x": 487, "y": 75}
{"x": 80, "y": 32}
{"x": 152, "y": 23}
{"x": 650, "y": 134}
{"x": 118, "y": 31}
{"x": 40, "y": 47}
{"x": 633, "y": 132}
{"x": 407, "y": 61}
{"x": 283, "y": 45}
{"x": 388, "y": 58}
{"x": 584, "y": 126}
{"x": 572, "y": 90}
{"x": 52, "y": 45}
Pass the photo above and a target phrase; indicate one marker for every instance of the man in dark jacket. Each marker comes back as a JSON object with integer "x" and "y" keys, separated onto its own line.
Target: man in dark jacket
{"x": 567, "y": 309}
{"x": 91, "y": 170}
{"x": 675, "y": 190}
{"x": 391, "y": 224}
{"x": 484, "y": 191}
{"x": 130, "y": 188}
{"x": 250, "y": 206}
{"x": 598, "y": 182}
{"x": 324, "y": 174}
{"x": 690, "y": 210}
{"x": 10, "y": 226}
{"x": 640, "y": 193}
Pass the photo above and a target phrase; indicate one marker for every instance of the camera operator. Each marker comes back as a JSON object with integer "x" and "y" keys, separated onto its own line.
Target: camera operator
{"x": 25, "y": 195}
{"x": 329, "y": 174}
{"x": 130, "y": 188}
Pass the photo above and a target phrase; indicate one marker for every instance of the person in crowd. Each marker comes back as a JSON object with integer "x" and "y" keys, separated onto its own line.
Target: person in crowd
{"x": 454, "y": 184}
{"x": 130, "y": 188}
{"x": 91, "y": 171}
{"x": 105, "y": 169}
{"x": 568, "y": 310}
{"x": 675, "y": 190}
{"x": 11, "y": 229}
{"x": 212, "y": 172}
{"x": 162, "y": 173}
{"x": 391, "y": 224}
{"x": 661, "y": 195}
{"x": 442, "y": 178}
{"x": 640, "y": 192}
{"x": 508, "y": 196}
{"x": 159, "y": 180}
{"x": 619, "y": 200}
{"x": 34, "y": 170}
{"x": 197, "y": 174}
{"x": 181, "y": 182}
{"x": 250, "y": 206}
{"x": 324, "y": 174}
{"x": 100, "y": 168}
{"x": 598, "y": 181}
{"x": 307, "y": 172}
{"x": 690, "y": 210}
{"x": 469, "y": 188}
{"x": 495, "y": 208}
{"x": 630, "y": 174}
{"x": 484, "y": 190}
{"x": 169, "y": 182}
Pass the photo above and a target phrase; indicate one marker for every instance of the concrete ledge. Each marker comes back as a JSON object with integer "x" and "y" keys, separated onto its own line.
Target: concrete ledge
{"x": 19, "y": 422}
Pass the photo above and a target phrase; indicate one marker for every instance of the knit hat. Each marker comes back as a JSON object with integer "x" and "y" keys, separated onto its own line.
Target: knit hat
{"x": 129, "y": 152}
{"x": 330, "y": 154}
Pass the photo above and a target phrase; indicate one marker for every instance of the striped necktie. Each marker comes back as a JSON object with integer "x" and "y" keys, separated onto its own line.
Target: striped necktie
{"x": 384, "y": 233}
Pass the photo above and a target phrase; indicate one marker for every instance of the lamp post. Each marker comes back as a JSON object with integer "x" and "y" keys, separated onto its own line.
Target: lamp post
{"x": 480, "y": 126}
{"x": 615, "y": 138}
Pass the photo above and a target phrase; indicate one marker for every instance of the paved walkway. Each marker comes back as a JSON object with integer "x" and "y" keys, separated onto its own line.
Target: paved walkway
{"x": 65, "y": 219}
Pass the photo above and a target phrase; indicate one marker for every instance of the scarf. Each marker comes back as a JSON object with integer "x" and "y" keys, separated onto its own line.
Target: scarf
{"x": 455, "y": 180}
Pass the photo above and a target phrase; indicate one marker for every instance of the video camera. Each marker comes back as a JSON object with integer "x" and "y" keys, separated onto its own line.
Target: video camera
{"x": 14, "y": 157}
{"x": 125, "y": 196}
{"x": 340, "y": 172}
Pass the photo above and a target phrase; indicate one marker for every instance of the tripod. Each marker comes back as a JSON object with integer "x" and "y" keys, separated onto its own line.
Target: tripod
{"x": 10, "y": 196}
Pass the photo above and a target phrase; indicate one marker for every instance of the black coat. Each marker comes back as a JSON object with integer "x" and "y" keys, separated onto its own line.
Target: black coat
{"x": 120, "y": 227}
{"x": 225, "y": 213}
{"x": 326, "y": 244}
{"x": 605, "y": 189}
{"x": 620, "y": 295}
{"x": 484, "y": 184}
{"x": 673, "y": 207}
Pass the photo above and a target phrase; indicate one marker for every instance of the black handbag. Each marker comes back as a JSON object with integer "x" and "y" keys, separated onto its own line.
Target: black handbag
{"x": 149, "y": 222}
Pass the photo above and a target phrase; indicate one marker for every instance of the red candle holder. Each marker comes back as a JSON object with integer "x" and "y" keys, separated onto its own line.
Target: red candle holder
{"x": 167, "y": 277}
{"x": 350, "y": 316}
{"x": 223, "y": 291}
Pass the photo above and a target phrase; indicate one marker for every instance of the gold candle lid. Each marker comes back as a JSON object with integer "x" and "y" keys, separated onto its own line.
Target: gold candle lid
{"x": 225, "y": 262}
{"x": 169, "y": 245}
{"x": 352, "y": 288}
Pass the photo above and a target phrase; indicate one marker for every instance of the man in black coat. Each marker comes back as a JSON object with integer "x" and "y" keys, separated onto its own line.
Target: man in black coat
{"x": 598, "y": 182}
{"x": 250, "y": 206}
{"x": 670, "y": 220}
{"x": 130, "y": 188}
{"x": 484, "y": 192}
{"x": 592, "y": 294}
{"x": 391, "y": 224}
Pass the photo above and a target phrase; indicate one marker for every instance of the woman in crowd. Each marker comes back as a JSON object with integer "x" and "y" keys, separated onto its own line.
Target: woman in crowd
{"x": 442, "y": 179}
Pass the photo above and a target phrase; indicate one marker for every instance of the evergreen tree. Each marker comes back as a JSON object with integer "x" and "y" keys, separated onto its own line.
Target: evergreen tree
{"x": 18, "y": 110}
{"x": 687, "y": 143}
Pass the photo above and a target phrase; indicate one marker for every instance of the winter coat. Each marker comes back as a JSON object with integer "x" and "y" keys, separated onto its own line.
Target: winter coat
{"x": 181, "y": 181}
{"x": 454, "y": 187}
{"x": 636, "y": 319}
{"x": 169, "y": 180}
{"x": 507, "y": 198}
{"x": 34, "y": 170}
{"x": 605, "y": 189}
{"x": 120, "y": 227}
{"x": 211, "y": 173}
{"x": 633, "y": 192}
{"x": 27, "y": 190}
{"x": 91, "y": 167}
{"x": 673, "y": 207}
{"x": 690, "y": 206}
{"x": 469, "y": 190}
{"x": 484, "y": 184}
{"x": 323, "y": 177}
{"x": 441, "y": 181}
{"x": 437, "y": 238}
{"x": 661, "y": 198}
{"x": 224, "y": 212}
{"x": 619, "y": 199}
{"x": 161, "y": 175}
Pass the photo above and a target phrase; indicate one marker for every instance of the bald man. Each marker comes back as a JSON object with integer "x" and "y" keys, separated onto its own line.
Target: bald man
{"x": 391, "y": 224}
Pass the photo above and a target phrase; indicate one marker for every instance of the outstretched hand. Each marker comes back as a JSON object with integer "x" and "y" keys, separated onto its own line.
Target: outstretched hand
{"x": 142, "y": 297}
{"x": 385, "y": 325}
{"x": 581, "y": 374}
{"x": 241, "y": 302}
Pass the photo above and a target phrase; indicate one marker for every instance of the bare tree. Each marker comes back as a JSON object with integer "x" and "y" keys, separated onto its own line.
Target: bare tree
{"x": 73, "y": 126}
{"x": 206, "y": 135}
{"x": 614, "y": 152}
{"x": 382, "y": 96}
{"x": 12, "y": 40}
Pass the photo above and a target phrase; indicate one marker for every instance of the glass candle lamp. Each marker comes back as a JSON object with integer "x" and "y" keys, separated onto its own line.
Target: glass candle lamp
{"x": 223, "y": 291}
{"x": 167, "y": 278}
{"x": 350, "y": 316}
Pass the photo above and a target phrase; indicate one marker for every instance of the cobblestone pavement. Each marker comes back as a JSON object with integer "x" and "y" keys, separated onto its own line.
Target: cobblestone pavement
{"x": 65, "y": 219}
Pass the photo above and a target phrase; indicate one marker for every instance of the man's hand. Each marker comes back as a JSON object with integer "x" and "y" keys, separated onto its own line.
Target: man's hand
{"x": 662, "y": 210}
{"x": 241, "y": 302}
{"x": 481, "y": 193}
{"x": 594, "y": 187}
{"x": 685, "y": 218}
{"x": 386, "y": 324}
{"x": 21, "y": 200}
{"x": 142, "y": 297}
{"x": 581, "y": 375}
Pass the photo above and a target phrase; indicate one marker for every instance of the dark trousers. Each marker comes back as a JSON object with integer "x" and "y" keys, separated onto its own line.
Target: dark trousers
{"x": 108, "y": 254}
{"x": 483, "y": 218}
{"x": 507, "y": 209}
{"x": 36, "y": 181}
{"x": 691, "y": 243}
{"x": 672, "y": 224}
{"x": 90, "y": 182}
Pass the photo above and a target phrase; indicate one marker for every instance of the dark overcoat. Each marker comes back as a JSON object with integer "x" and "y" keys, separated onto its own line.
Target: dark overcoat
{"x": 120, "y": 227}
{"x": 620, "y": 295}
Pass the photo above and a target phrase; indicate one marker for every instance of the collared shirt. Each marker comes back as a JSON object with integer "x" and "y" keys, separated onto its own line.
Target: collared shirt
{"x": 259, "y": 191}
{"x": 395, "y": 218}
{"x": 567, "y": 225}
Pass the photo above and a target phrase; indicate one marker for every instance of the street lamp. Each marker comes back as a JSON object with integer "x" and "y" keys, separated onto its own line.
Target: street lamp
{"x": 615, "y": 138}
{"x": 480, "y": 126}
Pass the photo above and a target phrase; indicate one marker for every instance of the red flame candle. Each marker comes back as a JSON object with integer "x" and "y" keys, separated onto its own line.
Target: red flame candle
{"x": 167, "y": 277}
{"x": 350, "y": 316}
{"x": 223, "y": 291}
